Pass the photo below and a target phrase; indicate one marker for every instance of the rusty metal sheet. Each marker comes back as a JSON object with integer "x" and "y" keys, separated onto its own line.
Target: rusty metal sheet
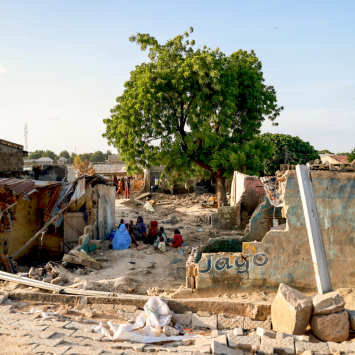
{"x": 18, "y": 186}
{"x": 47, "y": 184}
{"x": 57, "y": 200}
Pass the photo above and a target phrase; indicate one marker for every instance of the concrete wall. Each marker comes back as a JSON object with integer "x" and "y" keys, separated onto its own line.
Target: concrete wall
{"x": 284, "y": 255}
{"x": 106, "y": 195}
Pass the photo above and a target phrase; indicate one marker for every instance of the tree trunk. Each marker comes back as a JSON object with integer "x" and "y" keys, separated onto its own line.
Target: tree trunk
{"x": 221, "y": 192}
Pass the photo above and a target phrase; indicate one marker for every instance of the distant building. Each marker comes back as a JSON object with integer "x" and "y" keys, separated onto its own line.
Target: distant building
{"x": 44, "y": 161}
{"x": 11, "y": 156}
{"x": 334, "y": 159}
{"x": 63, "y": 160}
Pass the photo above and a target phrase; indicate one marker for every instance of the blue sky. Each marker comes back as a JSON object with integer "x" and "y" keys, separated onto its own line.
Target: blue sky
{"x": 63, "y": 63}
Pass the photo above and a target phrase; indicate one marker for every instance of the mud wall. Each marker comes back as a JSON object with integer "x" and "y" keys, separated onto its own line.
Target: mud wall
{"x": 284, "y": 256}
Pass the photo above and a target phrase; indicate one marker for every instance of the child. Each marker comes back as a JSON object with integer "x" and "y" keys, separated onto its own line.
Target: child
{"x": 161, "y": 246}
{"x": 163, "y": 234}
{"x": 177, "y": 241}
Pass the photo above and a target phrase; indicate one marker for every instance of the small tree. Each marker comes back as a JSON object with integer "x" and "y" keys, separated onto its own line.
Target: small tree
{"x": 187, "y": 107}
{"x": 324, "y": 151}
{"x": 82, "y": 168}
{"x": 287, "y": 149}
{"x": 64, "y": 154}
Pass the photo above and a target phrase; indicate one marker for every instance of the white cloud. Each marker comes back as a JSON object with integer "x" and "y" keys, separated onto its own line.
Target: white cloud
{"x": 2, "y": 69}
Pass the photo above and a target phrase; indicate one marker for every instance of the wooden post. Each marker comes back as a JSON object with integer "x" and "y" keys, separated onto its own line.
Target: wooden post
{"x": 314, "y": 230}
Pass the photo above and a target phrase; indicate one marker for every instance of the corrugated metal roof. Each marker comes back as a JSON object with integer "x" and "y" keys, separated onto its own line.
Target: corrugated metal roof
{"x": 342, "y": 159}
{"x": 109, "y": 168}
{"x": 48, "y": 184}
{"x": 18, "y": 186}
{"x": 79, "y": 190}
{"x": 57, "y": 200}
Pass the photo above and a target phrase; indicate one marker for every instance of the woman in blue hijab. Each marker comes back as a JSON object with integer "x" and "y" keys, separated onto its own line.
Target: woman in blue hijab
{"x": 139, "y": 230}
{"x": 122, "y": 239}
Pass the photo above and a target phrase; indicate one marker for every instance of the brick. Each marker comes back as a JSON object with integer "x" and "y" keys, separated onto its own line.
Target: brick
{"x": 13, "y": 332}
{"x": 84, "y": 350}
{"x": 269, "y": 333}
{"x": 62, "y": 331}
{"x": 238, "y": 331}
{"x": 267, "y": 349}
{"x": 84, "y": 334}
{"x": 69, "y": 340}
{"x": 302, "y": 346}
{"x": 55, "y": 324}
{"x": 127, "y": 345}
{"x": 204, "y": 322}
{"x": 222, "y": 339}
{"x": 252, "y": 324}
{"x": 220, "y": 349}
{"x": 214, "y": 333}
{"x": 247, "y": 343}
{"x": 177, "y": 353}
{"x": 183, "y": 319}
{"x": 48, "y": 342}
{"x": 79, "y": 326}
{"x": 285, "y": 346}
{"x": 230, "y": 321}
{"x": 59, "y": 350}
{"x": 347, "y": 348}
{"x": 131, "y": 352}
{"x": 151, "y": 348}
{"x": 46, "y": 334}
{"x": 281, "y": 335}
{"x": 28, "y": 349}
{"x": 190, "y": 282}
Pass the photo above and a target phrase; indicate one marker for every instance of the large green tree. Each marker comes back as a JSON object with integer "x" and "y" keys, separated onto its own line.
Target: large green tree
{"x": 36, "y": 154}
{"x": 187, "y": 107}
{"x": 49, "y": 154}
{"x": 287, "y": 150}
{"x": 97, "y": 157}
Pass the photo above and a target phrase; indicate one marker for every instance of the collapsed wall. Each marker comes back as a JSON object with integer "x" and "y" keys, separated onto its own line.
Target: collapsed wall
{"x": 283, "y": 254}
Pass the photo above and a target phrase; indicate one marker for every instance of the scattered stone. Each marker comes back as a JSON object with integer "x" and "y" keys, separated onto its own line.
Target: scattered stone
{"x": 230, "y": 321}
{"x": 183, "y": 319}
{"x": 204, "y": 322}
{"x": 351, "y": 318}
{"x": 204, "y": 314}
{"x": 281, "y": 346}
{"x": 328, "y": 303}
{"x": 269, "y": 333}
{"x": 135, "y": 346}
{"x": 252, "y": 324}
{"x": 333, "y": 327}
{"x": 170, "y": 331}
{"x": 267, "y": 349}
{"x": 88, "y": 313}
{"x": 291, "y": 311}
{"x": 302, "y": 346}
{"x": 247, "y": 343}
{"x": 220, "y": 349}
{"x": 3, "y": 298}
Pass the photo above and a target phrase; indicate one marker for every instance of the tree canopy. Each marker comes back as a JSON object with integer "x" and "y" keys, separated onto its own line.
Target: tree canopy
{"x": 324, "y": 151}
{"x": 351, "y": 156}
{"x": 36, "y": 154}
{"x": 189, "y": 109}
{"x": 287, "y": 149}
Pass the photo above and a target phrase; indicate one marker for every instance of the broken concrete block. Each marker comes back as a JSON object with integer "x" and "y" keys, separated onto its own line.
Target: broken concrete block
{"x": 331, "y": 327}
{"x": 230, "y": 321}
{"x": 183, "y": 319}
{"x": 267, "y": 349}
{"x": 281, "y": 335}
{"x": 345, "y": 347}
{"x": 252, "y": 324}
{"x": 222, "y": 339}
{"x": 247, "y": 343}
{"x": 269, "y": 333}
{"x": 238, "y": 331}
{"x": 302, "y": 346}
{"x": 190, "y": 282}
{"x": 327, "y": 303}
{"x": 97, "y": 243}
{"x": 220, "y": 349}
{"x": 291, "y": 311}
{"x": 281, "y": 346}
{"x": 204, "y": 322}
{"x": 214, "y": 333}
{"x": 170, "y": 331}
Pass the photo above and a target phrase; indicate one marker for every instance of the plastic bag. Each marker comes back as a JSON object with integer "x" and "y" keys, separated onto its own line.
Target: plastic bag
{"x": 158, "y": 312}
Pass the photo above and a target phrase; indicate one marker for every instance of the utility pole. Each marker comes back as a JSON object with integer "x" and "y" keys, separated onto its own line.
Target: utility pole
{"x": 26, "y": 138}
{"x": 286, "y": 151}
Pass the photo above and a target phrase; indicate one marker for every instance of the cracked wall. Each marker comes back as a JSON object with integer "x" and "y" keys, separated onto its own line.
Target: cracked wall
{"x": 284, "y": 255}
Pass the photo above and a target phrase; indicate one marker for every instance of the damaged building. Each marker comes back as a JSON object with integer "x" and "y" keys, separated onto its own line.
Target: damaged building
{"x": 275, "y": 248}
{"x": 41, "y": 220}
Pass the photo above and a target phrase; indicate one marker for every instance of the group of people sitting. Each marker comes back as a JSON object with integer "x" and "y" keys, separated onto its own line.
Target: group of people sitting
{"x": 128, "y": 234}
